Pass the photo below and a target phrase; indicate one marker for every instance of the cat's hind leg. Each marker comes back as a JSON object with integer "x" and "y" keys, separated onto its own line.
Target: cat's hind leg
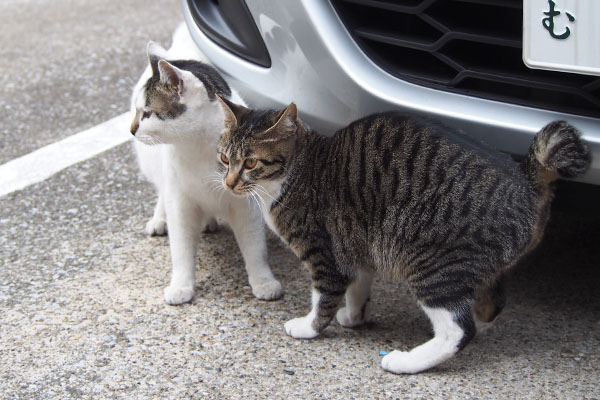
{"x": 489, "y": 302}
{"x": 355, "y": 312}
{"x": 453, "y": 329}
{"x": 157, "y": 226}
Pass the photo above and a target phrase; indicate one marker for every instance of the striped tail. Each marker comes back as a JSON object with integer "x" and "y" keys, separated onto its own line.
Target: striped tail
{"x": 557, "y": 151}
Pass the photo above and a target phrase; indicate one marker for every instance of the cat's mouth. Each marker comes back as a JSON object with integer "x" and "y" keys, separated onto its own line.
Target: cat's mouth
{"x": 146, "y": 139}
{"x": 237, "y": 190}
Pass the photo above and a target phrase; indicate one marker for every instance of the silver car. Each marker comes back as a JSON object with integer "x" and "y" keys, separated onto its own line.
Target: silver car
{"x": 339, "y": 60}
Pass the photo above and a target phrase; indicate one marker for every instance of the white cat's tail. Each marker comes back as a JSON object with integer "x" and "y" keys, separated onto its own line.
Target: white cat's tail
{"x": 557, "y": 151}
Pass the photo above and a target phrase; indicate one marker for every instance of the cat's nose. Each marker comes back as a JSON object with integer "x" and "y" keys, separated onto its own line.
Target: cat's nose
{"x": 134, "y": 127}
{"x": 231, "y": 181}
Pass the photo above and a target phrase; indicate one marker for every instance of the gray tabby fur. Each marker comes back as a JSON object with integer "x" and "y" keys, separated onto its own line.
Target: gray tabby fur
{"x": 402, "y": 196}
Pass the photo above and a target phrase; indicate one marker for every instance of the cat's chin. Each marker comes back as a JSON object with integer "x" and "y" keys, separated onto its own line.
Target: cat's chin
{"x": 236, "y": 193}
{"x": 148, "y": 140}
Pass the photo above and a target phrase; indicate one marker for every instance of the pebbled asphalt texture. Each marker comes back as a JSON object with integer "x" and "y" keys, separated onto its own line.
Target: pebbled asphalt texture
{"x": 81, "y": 308}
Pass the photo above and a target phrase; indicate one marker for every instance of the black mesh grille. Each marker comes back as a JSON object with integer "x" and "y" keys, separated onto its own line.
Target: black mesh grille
{"x": 472, "y": 47}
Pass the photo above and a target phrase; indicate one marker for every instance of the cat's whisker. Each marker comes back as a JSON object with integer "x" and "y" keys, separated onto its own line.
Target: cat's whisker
{"x": 273, "y": 199}
{"x": 253, "y": 196}
{"x": 260, "y": 201}
{"x": 212, "y": 175}
{"x": 214, "y": 187}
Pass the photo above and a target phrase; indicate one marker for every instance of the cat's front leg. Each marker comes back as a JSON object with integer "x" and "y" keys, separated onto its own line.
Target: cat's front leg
{"x": 211, "y": 226}
{"x": 328, "y": 289}
{"x": 184, "y": 223}
{"x": 157, "y": 226}
{"x": 248, "y": 228}
{"x": 356, "y": 310}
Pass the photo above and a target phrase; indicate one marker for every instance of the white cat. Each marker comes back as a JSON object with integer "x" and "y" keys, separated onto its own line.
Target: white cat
{"x": 177, "y": 123}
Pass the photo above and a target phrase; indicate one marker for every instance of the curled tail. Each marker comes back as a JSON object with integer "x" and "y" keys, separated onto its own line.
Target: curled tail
{"x": 557, "y": 151}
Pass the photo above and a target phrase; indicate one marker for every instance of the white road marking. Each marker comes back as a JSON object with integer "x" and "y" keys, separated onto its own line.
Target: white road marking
{"x": 41, "y": 164}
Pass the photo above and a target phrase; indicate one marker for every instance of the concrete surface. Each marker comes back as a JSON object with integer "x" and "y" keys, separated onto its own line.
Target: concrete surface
{"x": 75, "y": 60}
{"x": 81, "y": 309}
{"x": 83, "y": 315}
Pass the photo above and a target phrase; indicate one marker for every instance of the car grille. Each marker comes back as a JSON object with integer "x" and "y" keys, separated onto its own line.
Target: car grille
{"x": 471, "y": 47}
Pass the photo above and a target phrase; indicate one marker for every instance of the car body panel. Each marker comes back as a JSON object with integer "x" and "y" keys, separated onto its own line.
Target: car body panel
{"x": 317, "y": 65}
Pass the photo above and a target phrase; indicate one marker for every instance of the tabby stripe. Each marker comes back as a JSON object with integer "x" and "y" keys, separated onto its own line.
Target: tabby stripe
{"x": 377, "y": 180}
{"x": 387, "y": 158}
{"x": 273, "y": 174}
{"x": 441, "y": 268}
{"x": 310, "y": 252}
{"x": 379, "y": 133}
{"x": 422, "y": 259}
{"x": 402, "y": 130}
{"x": 325, "y": 271}
{"x": 362, "y": 168}
{"x": 453, "y": 281}
{"x": 445, "y": 300}
{"x": 274, "y": 161}
{"x": 432, "y": 155}
{"x": 329, "y": 292}
{"x": 412, "y": 157}
{"x": 348, "y": 197}
{"x": 256, "y": 172}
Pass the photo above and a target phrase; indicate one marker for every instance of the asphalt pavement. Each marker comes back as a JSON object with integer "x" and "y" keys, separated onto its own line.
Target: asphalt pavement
{"x": 81, "y": 308}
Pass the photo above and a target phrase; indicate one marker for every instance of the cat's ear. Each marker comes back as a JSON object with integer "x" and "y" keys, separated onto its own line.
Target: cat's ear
{"x": 171, "y": 76}
{"x": 231, "y": 113}
{"x": 155, "y": 53}
{"x": 287, "y": 125}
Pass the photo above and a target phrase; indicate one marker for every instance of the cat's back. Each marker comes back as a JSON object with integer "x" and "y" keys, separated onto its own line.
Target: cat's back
{"x": 390, "y": 135}
{"x": 393, "y": 167}
{"x": 395, "y": 149}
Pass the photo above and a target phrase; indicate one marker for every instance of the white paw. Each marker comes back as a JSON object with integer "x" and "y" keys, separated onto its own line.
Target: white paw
{"x": 399, "y": 362}
{"x": 350, "y": 321}
{"x": 211, "y": 227}
{"x": 300, "y": 328}
{"x": 156, "y": 227}
{"x": 267, "y": 290}
{"x": 178, "y": 294}
{"x": 483, "y": 327}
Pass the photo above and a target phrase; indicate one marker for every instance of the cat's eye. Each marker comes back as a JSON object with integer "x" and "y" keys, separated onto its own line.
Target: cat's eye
{"x": 250, "y": 163}
{"x": 146, "y": 114}
{"x": 224, "y": 158}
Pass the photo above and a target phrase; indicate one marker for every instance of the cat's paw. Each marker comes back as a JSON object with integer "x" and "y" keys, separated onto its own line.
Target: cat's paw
{"x": 347, "y": 320}
{"x": 178, "y": 294}
{"x": 399, "y": 362}
{"x": 300, "y": 328}
{"x": 267, "y": 290}
{"x": 211, "y": 227}
{"x": 483, "y": 327}
{"x": 156, "y": 227}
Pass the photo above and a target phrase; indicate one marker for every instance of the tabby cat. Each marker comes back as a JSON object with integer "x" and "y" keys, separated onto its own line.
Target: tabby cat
{"x": 403, "y": 196}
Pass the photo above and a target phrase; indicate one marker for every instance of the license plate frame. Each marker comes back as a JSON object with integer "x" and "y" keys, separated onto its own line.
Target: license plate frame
{"x": 562, "y": 35}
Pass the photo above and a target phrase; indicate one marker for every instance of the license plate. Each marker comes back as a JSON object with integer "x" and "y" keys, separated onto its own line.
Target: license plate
{"x": 562, "y": 35}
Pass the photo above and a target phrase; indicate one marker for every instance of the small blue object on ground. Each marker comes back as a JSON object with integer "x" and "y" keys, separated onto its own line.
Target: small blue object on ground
{"x": 382, "y": 353}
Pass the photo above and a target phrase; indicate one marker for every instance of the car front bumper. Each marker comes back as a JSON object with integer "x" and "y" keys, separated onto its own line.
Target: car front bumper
{"x": 316, "y": 64}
